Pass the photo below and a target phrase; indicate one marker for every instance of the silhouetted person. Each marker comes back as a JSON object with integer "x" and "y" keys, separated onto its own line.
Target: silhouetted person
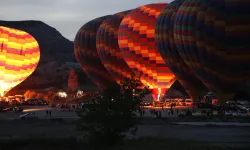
{"x": 159, "y": 114}
{"x": 156, "y": 114}
{"x": 143, "y": 112}
{"x": 177, "y": 111}
{"x": 47, "y": 112}
{"x": 151, "y": 112}
{"x": 50, "y": 113}
{"x": 140, "y": 113}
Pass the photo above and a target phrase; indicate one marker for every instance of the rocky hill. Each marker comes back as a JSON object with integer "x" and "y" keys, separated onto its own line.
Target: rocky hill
{"x": 57, "y": 56}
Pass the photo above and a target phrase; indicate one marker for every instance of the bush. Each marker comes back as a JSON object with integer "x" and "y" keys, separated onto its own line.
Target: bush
{"x": 112, "y": 113}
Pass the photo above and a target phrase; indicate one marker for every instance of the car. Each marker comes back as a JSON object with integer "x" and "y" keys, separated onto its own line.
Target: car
{"x": 242, "y": 113}
{"x": 15, "y": 102}
{"x": 17, "y": 109}
{"x": 30, "y": 115}
{"x": 144, "y": 103}
{"x": 229, "y": 113}
{"x": 182, "y": 113}
{"x": 5, "y": 109}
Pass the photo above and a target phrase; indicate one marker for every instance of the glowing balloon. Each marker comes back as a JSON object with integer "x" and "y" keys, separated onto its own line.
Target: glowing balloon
{"x": 137, "y": 43}
{"x": 19, "y": 57}
{"x": 73, "y": 80}
{"x": 108, "y": 48}
{"x": 213, "y": 39}
{"x": 86, "y": 54}
{"x": 164, "y": 38}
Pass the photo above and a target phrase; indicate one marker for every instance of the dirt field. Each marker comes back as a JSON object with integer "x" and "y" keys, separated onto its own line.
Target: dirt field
{"x": 229, "y": 136}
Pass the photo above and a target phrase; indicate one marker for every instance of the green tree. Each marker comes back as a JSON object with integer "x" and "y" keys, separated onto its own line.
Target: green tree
{"x": 112, "y": 113}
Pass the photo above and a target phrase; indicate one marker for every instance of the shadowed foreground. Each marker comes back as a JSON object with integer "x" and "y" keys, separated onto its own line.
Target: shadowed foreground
{"x": 142, "y": 143}
{"x": 170, "y": 134}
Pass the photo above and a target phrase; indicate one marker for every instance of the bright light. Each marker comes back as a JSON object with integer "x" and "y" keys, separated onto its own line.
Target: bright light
{"x": 159, "y": 94}
{"x": 4, "y": 88}
{"x": 79, "y": 94}
{"x": 62, "y": 94}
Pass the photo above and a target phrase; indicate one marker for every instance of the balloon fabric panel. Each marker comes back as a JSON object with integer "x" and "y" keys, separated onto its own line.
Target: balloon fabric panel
{"x": 169, "y": 52}
{"x": 108, "y": 48}
{"x": 137, "y": 43}
{"x": 86, "y": 54}
{"x": 213, "y": 38}
{"x": 19, "y": 57}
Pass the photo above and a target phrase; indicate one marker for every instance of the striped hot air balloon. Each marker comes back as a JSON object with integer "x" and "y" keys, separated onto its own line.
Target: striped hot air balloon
{"x": 19, "y": 57}
{"x": 213, "y": 39}
{"x": 164, "y": 37}
{"x": 136, "y": 41}
{"x": 108, "y": 48}
{"x": 86, "y": 54}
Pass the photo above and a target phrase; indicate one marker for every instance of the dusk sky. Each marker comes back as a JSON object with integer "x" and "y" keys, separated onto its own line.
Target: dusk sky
{"x": 67, "y": 16}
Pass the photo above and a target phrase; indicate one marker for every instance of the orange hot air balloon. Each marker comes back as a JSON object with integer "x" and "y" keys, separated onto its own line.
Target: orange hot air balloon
{"x": 136, "y": 38}
{"x": 19, "y": 57}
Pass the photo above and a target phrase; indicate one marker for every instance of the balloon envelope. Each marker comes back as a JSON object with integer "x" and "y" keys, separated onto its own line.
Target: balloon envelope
{"x": 108, "y": 48}
{"x": 213, "y": 39}
{"x": 19, "y": 57}
{"x": 167, "y": 47}
{"x": 137, "y": 43}
{"x": 86, "y": 54}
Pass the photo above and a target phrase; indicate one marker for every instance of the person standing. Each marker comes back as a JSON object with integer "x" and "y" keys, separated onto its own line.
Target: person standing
{"x": 159, "y": 114}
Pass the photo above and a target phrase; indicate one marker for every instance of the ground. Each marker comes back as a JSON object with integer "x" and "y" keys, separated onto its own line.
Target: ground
{"x": 65, "y": 127}
{"x": 57, "y": 112}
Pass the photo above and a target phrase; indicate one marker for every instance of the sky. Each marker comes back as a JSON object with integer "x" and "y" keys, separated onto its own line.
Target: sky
{"x": 67, "y": 16}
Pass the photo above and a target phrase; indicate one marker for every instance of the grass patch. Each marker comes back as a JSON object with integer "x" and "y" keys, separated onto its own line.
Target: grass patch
{"x": 138, "y": 144}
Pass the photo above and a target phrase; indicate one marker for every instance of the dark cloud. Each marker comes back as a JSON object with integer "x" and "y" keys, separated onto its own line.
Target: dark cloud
{"x": 67, "y": 16}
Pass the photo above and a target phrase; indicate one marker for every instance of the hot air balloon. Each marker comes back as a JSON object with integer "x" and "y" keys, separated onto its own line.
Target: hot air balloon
{"x": 86, "y": 54}
{"x": 72, "y": 80}
{"x": 213, "y": 39}
{"x": 164, "y": 38}
{"x": 108, "y": 48}
{"x": 19, "y": 57}
{"x": 137, "y": 43}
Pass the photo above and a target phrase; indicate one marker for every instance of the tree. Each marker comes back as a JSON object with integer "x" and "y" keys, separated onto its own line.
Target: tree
{"x": 112, "y": 113}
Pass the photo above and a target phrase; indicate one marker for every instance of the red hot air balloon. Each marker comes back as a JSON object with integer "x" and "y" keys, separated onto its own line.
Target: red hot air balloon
{"x": 213, "y": 39}
{"x": 108, "y": 48}
{"x": 72, "y": 80}
{"x": 86, "y": 54}
{"x": 137, "y": 43}
{"x": 166, "y": 45}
